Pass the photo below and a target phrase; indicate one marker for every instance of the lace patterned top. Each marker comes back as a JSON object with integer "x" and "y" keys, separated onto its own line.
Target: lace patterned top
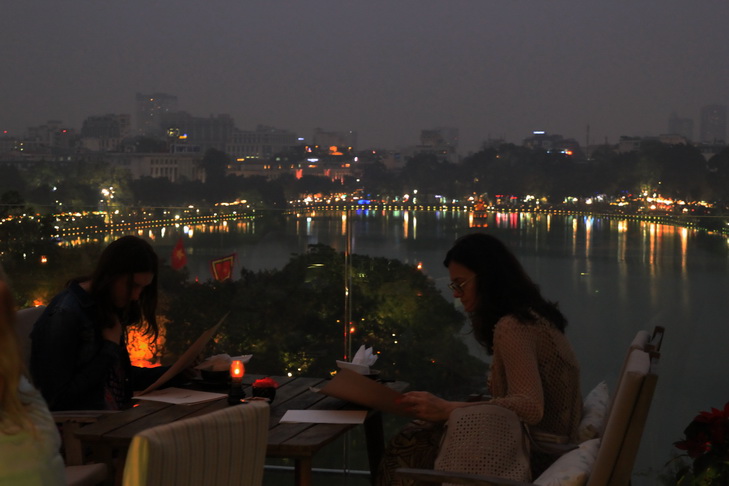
{"x": 535, "y": 373}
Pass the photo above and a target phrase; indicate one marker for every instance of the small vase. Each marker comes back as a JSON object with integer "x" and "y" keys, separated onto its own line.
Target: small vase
{"x": 264, "y": 392}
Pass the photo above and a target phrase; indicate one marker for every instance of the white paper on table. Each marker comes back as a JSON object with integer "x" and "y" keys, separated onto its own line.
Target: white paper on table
{"x": 324, "y": 416}
{"x": 180, "y": 396}
{"x": 187, "y": 358}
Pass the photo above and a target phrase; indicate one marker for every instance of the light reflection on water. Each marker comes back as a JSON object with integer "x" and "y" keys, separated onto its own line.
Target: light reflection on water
{"x": 611, "y": 277}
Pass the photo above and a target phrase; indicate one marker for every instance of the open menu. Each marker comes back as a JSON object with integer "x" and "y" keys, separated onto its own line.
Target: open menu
{"x": 187, "y": 358}
{"x": 353, "y": 387}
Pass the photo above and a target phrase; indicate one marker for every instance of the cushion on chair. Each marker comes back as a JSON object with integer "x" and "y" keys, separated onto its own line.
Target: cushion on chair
{"x": 594, "y": 413}
{"x": 572, "y": 468}
{"x": 224, "y": 447}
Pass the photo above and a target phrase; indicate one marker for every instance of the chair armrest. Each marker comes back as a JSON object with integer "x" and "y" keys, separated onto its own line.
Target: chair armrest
{"x": 455, "y": 477}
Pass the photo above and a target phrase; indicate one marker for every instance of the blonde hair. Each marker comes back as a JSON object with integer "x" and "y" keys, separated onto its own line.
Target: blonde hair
{"x": 14, "y": 416}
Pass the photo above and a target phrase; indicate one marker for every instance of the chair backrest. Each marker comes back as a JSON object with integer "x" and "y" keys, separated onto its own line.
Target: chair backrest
{"x": 224, "y": 447}
{"x": 644, "y": 341}
{"x": 626, "y": 421}
{"x": 656, "y": 340}
{"x": 24, "y": 321}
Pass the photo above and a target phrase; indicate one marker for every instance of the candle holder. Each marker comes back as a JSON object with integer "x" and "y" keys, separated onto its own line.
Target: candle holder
{"x": 236, "y": 393}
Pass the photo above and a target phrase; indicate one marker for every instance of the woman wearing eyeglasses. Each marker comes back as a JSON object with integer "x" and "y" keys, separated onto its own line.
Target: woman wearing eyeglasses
{"x": 534, "y": 371}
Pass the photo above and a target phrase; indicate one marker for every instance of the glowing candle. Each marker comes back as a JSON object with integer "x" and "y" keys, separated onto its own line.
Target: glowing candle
{"x": 236, "y": 393}
{"x": 237, "y": 370}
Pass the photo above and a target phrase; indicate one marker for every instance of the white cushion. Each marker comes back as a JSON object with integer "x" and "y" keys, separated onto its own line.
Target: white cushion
{"x": 573, "y": 468}
{"x": 594, "y": 413}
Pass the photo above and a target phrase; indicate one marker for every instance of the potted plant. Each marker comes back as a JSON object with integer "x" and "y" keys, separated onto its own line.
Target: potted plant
{"x": 265, "y": 387}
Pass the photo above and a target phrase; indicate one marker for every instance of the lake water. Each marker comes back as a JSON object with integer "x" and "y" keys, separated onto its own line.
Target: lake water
{"x": 611, "y": 277}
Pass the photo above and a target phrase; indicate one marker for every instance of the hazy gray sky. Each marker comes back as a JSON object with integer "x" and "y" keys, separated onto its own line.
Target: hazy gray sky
{"x": 385, "y": 68}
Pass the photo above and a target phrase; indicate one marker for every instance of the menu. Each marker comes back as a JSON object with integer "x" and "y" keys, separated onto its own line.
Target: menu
{"x": 351, "y": 386}
{"x": 187, "y": 358}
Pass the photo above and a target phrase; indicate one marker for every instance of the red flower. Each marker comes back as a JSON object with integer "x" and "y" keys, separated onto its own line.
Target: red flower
{"x": 707, "y": 442}
{"x": 265, "y": 383}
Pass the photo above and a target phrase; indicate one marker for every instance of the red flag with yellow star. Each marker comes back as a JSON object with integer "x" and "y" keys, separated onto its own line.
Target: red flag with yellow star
{"x": 222, "y": 268}
{"x": 179, "y": 257}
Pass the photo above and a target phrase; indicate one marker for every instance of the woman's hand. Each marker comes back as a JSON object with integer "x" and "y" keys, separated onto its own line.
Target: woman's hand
{"x": 426, "y": 406}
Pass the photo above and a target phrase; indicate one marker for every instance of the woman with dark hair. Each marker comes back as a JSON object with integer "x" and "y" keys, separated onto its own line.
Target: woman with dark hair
{"x": 534, "y": 371}
{"x": 79, "y": 358}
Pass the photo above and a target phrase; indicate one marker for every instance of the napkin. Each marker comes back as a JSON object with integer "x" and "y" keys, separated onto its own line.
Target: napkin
{"x": 361, "y": 362}
{"x": 221, "y": 362}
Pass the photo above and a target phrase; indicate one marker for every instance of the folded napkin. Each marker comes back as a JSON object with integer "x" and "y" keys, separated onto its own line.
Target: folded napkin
{"x": 361, "y": 362}
{"x": 221, "y": 362}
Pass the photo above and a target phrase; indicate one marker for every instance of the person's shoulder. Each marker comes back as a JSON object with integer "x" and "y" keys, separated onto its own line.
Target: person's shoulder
{"x": 72, "y": 297}
{"x": 509, "y": 321}
{"x": 510, "y": 325}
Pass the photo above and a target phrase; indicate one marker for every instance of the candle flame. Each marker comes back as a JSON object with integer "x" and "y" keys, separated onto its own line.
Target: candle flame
{"x": 237, "y": 370}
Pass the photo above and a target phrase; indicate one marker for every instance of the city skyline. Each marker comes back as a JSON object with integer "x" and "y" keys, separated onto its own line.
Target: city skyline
{"x": 386, "y": 71}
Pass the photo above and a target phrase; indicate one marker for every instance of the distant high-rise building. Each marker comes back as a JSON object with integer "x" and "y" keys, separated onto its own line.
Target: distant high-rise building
{"x": 439, "y": 137}
{"x": 261, "y": 143}
{"x": 52, "y": 137}
{"x": 713, "y": 123}
{"x": 212, "y": 132}
{"x": 441, "y": 142}
{"x": 150, "y": 109}
{"x": 325, "y": 138}
{"x": 105, "y": 133}
{"x": 681, "y": 126}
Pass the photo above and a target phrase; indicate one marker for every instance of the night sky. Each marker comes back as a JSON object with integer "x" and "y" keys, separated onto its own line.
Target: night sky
{"x": 385, "y": 68}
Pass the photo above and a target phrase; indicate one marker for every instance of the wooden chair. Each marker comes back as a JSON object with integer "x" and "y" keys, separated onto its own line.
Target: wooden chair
{"x": 224, "y": 447}
{"x": 607, "y": 461}
{"x": 77, "y": 473}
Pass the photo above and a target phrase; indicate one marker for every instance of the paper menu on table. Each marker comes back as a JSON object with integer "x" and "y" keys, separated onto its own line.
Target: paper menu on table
{"x": 187, "y": 358}
{"x": 351, "y": 386}
{"x": 181, "y": 396}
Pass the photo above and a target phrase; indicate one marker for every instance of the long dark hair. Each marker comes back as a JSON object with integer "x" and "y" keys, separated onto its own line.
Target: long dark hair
{"x": 123, "y": 258}
{"x": 503, "y": 286}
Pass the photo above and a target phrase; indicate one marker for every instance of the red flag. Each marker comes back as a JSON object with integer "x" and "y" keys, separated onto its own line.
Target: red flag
{"x": 222, "y": 268}
{"x": 179, "y": 257}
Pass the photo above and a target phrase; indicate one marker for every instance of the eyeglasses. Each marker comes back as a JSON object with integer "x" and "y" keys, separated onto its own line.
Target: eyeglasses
{"x": 458, "y": 286}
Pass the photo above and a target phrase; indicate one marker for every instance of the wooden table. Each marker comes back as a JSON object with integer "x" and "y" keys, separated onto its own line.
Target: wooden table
{"x": 298, "y": 441}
